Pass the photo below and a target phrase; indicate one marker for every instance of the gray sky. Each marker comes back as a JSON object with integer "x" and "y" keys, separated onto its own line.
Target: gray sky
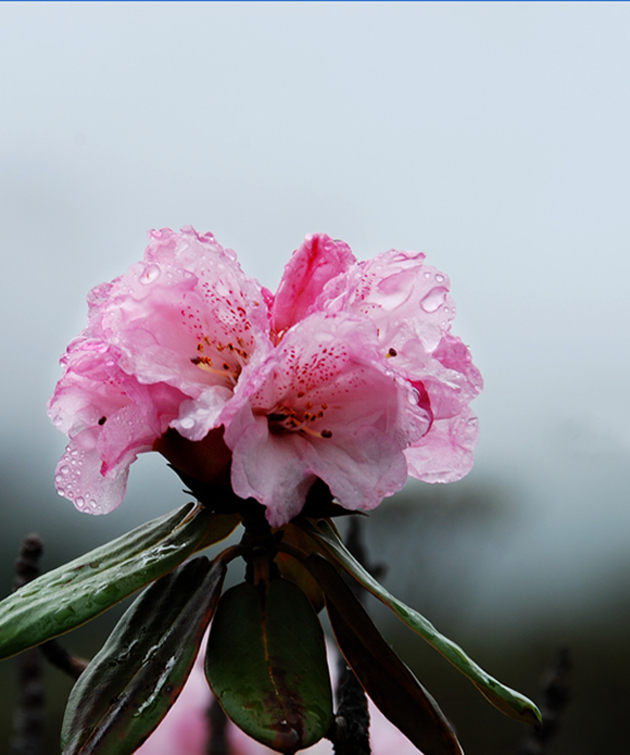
{"x": 492, "y": 137}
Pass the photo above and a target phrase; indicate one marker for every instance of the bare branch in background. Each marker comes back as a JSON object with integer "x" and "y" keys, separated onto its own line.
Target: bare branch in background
{"x": 556, "y": 689}
{"x": 28, "y": 721}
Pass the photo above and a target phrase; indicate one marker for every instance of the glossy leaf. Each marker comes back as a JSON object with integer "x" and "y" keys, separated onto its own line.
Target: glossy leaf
{"x": 266, "y": 664}
{"x": 220, "y": 527}
{"x": 132, "y": 682}
{"x": 391, "y": 685}
{"x": 505, "y": 699}
{"x": 74, "y": 593}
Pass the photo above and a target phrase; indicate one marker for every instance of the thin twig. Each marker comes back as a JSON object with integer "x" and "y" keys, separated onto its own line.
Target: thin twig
{"x": 57, "y": 655}
{"x": 218, "y": 743}
{"x": 350, "y": 732}
{"x": 28, "y": 721}
{"x": 556, "y": 689}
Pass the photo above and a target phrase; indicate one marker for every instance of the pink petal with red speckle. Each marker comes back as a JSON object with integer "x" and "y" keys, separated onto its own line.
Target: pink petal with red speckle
{"x": 324, "y": 405}
{"x": 316, "y": 262}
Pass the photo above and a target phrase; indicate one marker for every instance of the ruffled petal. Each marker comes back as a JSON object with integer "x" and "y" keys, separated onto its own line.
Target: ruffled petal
{"x": 165, "y": 345}
{"x": 326, "y": 406}
{"x": 311, "y": 267}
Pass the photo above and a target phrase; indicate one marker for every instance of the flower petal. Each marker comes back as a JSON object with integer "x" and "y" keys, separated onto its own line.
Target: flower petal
{"x": 326, "y": 405}
{"x": 165, "y": 345}
{"x": 78, "y": 477}
{"x": 316, "y": 262}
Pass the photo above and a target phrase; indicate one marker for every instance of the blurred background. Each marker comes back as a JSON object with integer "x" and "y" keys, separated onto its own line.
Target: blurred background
{"x": 492, "y": 137}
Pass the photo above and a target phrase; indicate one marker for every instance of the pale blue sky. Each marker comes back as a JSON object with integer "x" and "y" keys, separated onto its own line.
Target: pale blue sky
{"x": 492, "y": 137}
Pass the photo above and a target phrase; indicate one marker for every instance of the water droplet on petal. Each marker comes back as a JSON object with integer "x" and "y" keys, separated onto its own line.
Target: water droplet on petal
{"x": 434, "y": 299}
{"x": 80, "y": 501}
{"x": 64, "y": 470}
{"x": 150, "y": 274}
{"x": 439, "y": 278}
{"x": 187, "y": 423}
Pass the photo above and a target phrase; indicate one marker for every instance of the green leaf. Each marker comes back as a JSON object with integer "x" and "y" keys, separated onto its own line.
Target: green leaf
{"x": 293, "y": 570}
{"x": 220, "y": 527}
{"x": 266, "y": 664}
{"x": 132, "y": 682}
{"x": 385, "y": 678}
{"x": 74, "y": 593}
{"x": 507, "y": 700}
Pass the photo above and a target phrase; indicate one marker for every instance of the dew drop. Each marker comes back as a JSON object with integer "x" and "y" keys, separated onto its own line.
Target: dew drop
{"x": 80, "y": 501}
{"x": 63, "y": 613}
{"x": 187, "y": 423}
{"x": 439, "y": 278}
{"x": 434, "y": 299}
{"x": 150, "y": 274}
{"x": 64, "y": 470}
{"x": 58, "y": 479}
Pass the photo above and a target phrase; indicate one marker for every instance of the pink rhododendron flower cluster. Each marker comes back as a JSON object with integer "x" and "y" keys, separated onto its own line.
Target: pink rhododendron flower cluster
{"x": 348, "y": 374}
{"x": 186, "y": 728}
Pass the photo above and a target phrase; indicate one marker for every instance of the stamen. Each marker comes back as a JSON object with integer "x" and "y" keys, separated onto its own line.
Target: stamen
{"x": 284, "y": 417}
{"x": 238, "y": 358}
{"x": 205, "y": 364}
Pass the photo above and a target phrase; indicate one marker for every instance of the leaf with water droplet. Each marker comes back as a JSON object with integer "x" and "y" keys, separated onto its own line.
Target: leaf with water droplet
{"x": 507, "y": 700}
{"x": 129, "y": 686}
{"x": 70, "y": 595}
{"x": 266, "y": 664}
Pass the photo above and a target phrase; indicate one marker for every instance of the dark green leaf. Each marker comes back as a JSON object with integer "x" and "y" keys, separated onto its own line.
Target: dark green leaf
{"x": 74, "y": 593}
{"x": 505, "y": 699}
{"x": 386, "y": 679}
{"x": 266, "y": 663}
{"x": 293, "y": 570}
{"x": 132, "y": 682}
{"x": 220, "y": 527}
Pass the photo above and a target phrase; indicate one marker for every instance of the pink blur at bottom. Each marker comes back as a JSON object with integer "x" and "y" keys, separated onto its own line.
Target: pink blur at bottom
{"x": 186, "y": 729}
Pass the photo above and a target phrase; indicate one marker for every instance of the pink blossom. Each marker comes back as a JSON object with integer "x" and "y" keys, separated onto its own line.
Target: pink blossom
{"x": 165, "y": 345}
{"x": 323, "y": 405}
{"x": 349, "y": 374}
{"x": 186, "y": 728}
{"x": 410, "y": 304}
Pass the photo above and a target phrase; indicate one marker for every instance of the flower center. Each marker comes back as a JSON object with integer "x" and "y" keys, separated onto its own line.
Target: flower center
{"x": 283, "y": 418}
{"x": 223, "y": 359}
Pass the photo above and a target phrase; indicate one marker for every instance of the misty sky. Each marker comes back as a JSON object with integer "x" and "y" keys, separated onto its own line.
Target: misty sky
{"x": 492, "y": 137}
